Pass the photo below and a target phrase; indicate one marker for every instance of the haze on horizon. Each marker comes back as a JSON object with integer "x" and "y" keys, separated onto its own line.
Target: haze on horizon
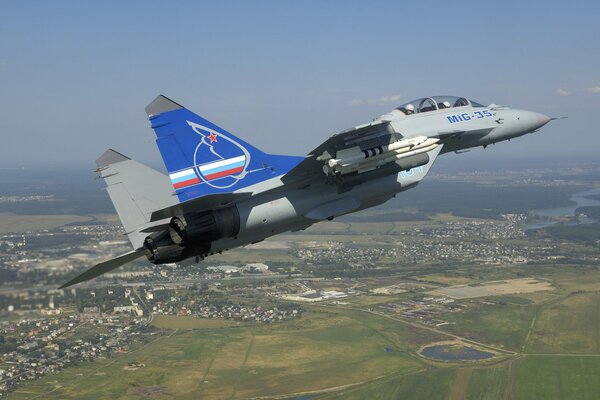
{"x": 75, "y": 77}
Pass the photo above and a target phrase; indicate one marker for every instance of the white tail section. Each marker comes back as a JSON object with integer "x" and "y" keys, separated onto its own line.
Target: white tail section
{"x": 136, "y": 190}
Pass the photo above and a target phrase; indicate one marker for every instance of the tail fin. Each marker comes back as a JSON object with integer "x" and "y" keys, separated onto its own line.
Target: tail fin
{"x": 135, "y": 190}
{"x": 202, "y": 158}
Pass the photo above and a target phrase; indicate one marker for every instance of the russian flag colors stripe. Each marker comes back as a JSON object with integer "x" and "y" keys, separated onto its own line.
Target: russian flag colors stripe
{"x": 221, "y": 168}
{"x": 210, "y": 171}
{"x": 184, "y": 178}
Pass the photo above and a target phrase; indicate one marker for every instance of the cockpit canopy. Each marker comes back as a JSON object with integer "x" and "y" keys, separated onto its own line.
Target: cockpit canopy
{"x": 434, "y": 103}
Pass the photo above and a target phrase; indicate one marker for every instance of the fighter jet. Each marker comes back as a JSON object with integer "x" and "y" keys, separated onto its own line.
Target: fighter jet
{"x": 221, "y": 192}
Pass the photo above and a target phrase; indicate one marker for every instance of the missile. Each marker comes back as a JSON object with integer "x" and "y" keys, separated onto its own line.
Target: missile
{"x": 399, "y": 147}
{"x": 388, "y": 158}
{"x": 370, "y": 159}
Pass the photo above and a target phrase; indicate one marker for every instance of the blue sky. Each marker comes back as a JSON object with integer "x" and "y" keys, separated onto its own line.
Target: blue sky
{"x": 75, "y": 76}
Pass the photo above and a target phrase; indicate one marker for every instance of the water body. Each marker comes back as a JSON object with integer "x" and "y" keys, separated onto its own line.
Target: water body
{"x": 581, "y": 199}
{"x": 449, "y": 352}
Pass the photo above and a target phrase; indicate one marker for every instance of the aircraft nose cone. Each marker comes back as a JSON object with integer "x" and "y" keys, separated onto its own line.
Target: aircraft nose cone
{"x": 530, "y": 121}
{"x": 541, "y": 120}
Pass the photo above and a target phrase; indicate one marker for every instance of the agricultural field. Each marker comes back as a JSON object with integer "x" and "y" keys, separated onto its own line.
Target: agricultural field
{"x": 342, "y": 353}
{"x": 445, "y": 279}
{"x": 346, "y": 352}
{"x": 487, "y": 383}
{"x": 571, "y": 325}
{"x": 509, "y": 286}
{"x": 183, "y": 322}
{"x": 430, "y": 384}
{"x": 13, "y": 223}
{"x": 505, "y": 326}
{"x": 309, "y": 354}
{"x": 541, "y": 377}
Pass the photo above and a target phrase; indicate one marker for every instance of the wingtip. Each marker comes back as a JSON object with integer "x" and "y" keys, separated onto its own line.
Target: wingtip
{"x": 74, "y": 281}
{"x": 66, "y": 285}
{"x": 104, "y": 267}
{"x": 160, "y": 105}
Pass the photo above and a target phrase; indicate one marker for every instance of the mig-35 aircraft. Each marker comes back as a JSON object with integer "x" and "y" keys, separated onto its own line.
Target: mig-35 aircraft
{"x": 221, "y": 192}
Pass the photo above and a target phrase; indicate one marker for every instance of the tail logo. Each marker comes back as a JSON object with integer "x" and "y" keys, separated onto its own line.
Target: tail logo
{"x": 220, "y": 161}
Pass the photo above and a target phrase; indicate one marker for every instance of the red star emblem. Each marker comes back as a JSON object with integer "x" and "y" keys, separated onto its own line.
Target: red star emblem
{"x": 212, "y": 137}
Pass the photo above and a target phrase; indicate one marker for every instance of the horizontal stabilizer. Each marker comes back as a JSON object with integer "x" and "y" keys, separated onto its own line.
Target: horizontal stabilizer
{"x": 136, "y": 190}
{"x": 110, "y": 156}
{"x": 105, "y": 267}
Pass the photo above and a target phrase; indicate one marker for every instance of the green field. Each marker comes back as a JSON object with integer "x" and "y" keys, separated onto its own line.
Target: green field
{"x": 319, "y": 351}
{"x": 503, "y": 325}
{"x": 487, "y": 384}
{"x": 540, "y": 377}
{"x": 177, "y": 322}
{"x": 346, "y": 353}
{"x": 13, "y": 223}
{"x": 431, "y": 385}
{"x": 571, "y": 325}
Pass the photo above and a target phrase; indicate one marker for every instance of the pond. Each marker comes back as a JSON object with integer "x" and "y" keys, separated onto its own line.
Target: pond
{"x": 454, "y": 352}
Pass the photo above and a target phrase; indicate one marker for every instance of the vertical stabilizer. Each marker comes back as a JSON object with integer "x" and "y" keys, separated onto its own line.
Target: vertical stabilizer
{"x": 203, "y": 158}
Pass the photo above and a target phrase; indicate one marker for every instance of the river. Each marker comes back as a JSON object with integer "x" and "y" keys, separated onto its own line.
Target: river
{"x": 551, "y": 214}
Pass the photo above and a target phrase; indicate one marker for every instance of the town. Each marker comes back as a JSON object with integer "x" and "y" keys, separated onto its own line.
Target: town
{"x": 51, "y": 330}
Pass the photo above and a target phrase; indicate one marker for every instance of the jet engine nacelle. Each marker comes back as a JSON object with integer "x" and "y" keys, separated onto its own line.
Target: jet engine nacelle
{"x": 191, "y": 235}
{"x": 160, "y": 249}
{"x": 205, "y": 227}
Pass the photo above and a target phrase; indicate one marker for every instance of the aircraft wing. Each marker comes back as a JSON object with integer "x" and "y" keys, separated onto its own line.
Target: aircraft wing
{"x": 374, "y": 134}
{"x": 105, "y": 267}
